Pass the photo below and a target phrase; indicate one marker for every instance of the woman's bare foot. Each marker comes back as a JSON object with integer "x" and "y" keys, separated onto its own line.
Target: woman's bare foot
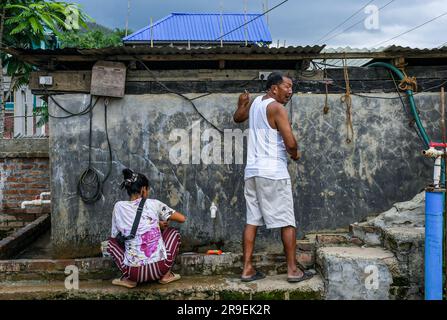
{"x": 169, "y": 277}
{"x": 123, "y": 282}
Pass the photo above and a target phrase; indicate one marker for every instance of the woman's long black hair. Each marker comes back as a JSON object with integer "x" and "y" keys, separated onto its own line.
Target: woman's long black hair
{"x": 133, "y": 182}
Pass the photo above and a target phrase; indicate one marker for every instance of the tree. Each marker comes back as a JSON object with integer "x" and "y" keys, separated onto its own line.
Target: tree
{"x": 25, "y": 24}
{"x": 94, "y": 38}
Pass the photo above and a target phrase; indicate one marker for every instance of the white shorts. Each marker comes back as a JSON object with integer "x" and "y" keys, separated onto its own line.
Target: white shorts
{"x": 269, "y": 202}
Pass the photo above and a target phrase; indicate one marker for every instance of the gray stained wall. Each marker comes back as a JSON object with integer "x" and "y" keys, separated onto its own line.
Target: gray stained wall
{"x": 334, "y": 184}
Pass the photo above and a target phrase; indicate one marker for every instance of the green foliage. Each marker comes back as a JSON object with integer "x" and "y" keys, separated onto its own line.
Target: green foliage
{"x": 91, "y": 39}
{"x": 29, "y": 22}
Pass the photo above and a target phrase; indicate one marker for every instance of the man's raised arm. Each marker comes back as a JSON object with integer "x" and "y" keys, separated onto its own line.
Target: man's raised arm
{"x": 243, "y": 108}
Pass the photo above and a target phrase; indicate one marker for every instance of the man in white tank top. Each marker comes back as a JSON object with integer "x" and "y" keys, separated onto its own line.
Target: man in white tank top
{"x": 268, "y": 190}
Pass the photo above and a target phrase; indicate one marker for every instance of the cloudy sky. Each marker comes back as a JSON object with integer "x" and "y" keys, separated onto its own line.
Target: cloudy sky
{"x": 301, "y": 22}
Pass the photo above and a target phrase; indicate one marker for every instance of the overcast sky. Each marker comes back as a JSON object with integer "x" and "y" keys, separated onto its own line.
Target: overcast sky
{"x": 301, "y": 22}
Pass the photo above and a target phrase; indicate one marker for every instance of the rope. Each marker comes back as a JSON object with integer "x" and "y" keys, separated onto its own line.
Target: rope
{"x": 408, "y": 83}
{"x": 346, "y": 98}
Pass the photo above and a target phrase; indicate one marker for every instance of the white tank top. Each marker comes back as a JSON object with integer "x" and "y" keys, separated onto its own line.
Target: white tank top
{"x": 266, "y": 153}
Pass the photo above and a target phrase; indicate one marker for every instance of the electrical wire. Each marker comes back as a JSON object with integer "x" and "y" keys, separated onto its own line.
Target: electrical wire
{"x": 89, "y": 179}
{"x": 257, "y": 17}
{"x": 180, "y": 95}
{"x": 84, "y": 111}
{"x": 357, "y": 23}
{"x": 90, "y": 187}
{"x": 346, "y": 20}
{"x": 410, "y": 30}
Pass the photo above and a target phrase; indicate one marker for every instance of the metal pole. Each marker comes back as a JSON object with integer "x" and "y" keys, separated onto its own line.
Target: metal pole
{"x": 221, "y": 24}
{"x": 152, "y": 35}
{"x": 245, "y": 21}
{"x": 127, "y": 17}
{"x": 444, "y": 139}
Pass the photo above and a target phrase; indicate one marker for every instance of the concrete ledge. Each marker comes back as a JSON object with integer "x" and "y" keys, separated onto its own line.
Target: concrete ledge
{"x": 24, "y": 148}
{"x": 187, "y": 288}
{"x": 54, "y": 270}
{"x": 349, "y": 271}
{"x": 19, "y": 240}
{"x": 229, "y": 264}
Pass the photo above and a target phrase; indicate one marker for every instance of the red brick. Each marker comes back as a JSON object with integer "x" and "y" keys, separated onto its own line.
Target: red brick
{"x": 38, "y": 186}
{"x": 27, "y": 218}
{"x": 31, "y": 192}
{"x": 16, "y": 185}
{"x": 26, "y": 166}
{"x": 6, "y": 192}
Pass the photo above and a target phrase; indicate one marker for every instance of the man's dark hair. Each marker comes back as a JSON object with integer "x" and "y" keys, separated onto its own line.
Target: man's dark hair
{"x": 274, "y": 78}
{"x": 134, "y": 182}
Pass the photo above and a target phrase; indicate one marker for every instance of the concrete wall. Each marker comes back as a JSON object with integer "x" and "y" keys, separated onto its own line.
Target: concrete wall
{"x": 334, "y": 184}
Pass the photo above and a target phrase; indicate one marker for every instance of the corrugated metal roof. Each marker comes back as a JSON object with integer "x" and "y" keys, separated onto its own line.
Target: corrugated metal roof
{"x": 200, "y": 27}
{"x": 395, "y": 48}
{"x": 338, "y": 63}
{"x": 140, "y": 50}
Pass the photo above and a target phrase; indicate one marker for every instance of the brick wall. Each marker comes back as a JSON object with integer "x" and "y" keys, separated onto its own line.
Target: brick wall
{"x": 24, "y": 175}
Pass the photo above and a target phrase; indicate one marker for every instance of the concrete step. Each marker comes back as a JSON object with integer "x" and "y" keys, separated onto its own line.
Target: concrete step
{"x": 188, "y": 264}
{"x": 366, "y": 233}
{"x": 358, "y": 273}
{"x": 192, "y": 287}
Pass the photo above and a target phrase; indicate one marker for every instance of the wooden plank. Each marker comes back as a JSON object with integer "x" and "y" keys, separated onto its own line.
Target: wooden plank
{"x": 64, "y": 81}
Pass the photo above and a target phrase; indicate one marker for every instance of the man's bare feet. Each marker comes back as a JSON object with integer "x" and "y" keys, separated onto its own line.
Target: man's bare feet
{"x": 295, "y": 273}
{"x": 248, "y": 272}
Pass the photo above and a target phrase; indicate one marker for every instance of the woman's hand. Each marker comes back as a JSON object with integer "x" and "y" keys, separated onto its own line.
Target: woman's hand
{"x": 163, "y": 224}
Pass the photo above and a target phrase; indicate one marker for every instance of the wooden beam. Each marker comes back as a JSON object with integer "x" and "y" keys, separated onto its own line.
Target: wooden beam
{"x": 63, "y": 81}
{"x": 42, "y": 59}
{"x": 80, "y": 81}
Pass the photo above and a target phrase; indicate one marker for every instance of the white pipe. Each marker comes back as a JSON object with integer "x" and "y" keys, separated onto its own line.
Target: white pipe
{"x": 437, "y": 172}
{"x": 44, "y": 194}
{"x": 432, "y": 153}
{"x": 37, "y": 202}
